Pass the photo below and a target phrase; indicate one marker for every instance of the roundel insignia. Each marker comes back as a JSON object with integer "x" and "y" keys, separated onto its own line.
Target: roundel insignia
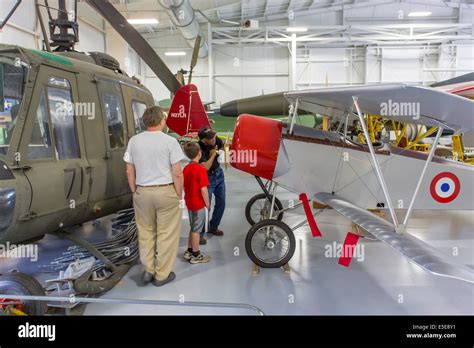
{"x": 445, "y": 187}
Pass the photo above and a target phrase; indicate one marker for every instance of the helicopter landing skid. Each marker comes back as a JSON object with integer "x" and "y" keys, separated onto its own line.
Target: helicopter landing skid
{"x": 84, "y": 284}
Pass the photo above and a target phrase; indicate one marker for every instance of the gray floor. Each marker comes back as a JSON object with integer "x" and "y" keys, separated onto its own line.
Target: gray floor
{"x": 382, "y": 283}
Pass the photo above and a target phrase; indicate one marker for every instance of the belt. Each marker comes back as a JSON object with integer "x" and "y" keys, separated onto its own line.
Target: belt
{"x": 164, "y": 185}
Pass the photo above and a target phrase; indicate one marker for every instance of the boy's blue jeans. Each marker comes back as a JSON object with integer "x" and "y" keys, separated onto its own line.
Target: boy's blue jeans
{"x": 217, "y": 188}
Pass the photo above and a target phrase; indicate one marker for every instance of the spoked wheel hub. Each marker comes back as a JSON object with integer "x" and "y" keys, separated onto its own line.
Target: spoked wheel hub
{"x": 258, "y": 209}
{"x": 270, "y": 243}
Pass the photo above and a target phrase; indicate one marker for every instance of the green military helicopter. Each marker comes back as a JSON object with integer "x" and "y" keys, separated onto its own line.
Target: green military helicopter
{"x": 65, "y": 120}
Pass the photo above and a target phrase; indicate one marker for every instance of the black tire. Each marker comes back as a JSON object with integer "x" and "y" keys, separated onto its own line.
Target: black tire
{"x": 16, "y": 283}
{"x": 258, "y": 228}
{"x": 253, "y": 201}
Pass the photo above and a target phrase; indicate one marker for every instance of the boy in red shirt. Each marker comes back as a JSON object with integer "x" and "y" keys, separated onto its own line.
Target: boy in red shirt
{"x": 196, "y": 197}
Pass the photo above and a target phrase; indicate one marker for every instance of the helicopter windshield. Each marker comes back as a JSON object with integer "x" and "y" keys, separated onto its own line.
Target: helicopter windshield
{"x": 13, "y": 73}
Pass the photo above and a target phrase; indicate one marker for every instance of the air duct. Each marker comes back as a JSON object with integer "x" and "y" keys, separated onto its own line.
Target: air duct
{"x": 182, "y": 15}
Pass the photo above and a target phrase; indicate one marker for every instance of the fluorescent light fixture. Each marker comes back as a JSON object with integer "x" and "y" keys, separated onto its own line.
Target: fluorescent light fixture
{"x": 296, "y": 29}
{"x": 175, "y": 53}
{"x": 142, "y": 21}
{"x": 419, "y": 14}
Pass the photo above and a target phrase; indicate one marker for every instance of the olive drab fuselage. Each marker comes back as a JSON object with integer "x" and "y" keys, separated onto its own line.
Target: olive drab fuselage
{"x": 64, "y": 127}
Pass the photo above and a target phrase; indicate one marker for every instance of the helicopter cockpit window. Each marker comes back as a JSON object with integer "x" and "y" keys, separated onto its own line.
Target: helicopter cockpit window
{"x": 12, "y": 84}
{"x": 63, "y": 123}
{"x": 138, "y": 110}
{"x": 113, "y": 110}
{"x": 40, "y": 141}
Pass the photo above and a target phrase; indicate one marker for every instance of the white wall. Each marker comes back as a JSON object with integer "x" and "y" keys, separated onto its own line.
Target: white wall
{"x": 249, "y": 71}
{"x": 373, "y": 65}
{"x": 267, "y": 68}
{"x": 238, "y": 72}
{"x": 91, "y": 30}
{"x": 23, "y": 28}
{"x": 332, "y": 66}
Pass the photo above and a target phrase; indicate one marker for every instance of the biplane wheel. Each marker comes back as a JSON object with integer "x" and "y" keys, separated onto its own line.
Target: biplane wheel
{"x": 16, "y": 283}
{"x": 270, "y": 243}
{"x": 258, "y": 209}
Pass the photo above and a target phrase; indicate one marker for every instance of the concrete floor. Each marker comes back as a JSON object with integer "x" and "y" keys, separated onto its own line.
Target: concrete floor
{"x": 384, "y": 283}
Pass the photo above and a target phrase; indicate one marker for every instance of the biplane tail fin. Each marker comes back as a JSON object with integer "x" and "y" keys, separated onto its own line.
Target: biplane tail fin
{"x": 187, "y": 114}
{"x": 417, "y": 251}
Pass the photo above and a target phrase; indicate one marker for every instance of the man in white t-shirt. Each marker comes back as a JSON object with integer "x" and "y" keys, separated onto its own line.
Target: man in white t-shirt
{"x": 156, "y": 179}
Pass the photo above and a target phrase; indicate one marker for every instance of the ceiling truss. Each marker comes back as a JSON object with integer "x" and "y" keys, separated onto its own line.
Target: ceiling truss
{"x": 353, "y": 34}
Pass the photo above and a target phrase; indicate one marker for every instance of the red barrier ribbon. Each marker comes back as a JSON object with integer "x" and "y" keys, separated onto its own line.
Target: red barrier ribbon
{"x": 309, "y": 215}
{"x": 348, "y": 249}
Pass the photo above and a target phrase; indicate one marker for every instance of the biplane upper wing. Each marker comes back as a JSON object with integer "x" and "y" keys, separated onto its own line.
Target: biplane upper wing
{"x": 417, "y": 251}
{"x": 400, "y": 102}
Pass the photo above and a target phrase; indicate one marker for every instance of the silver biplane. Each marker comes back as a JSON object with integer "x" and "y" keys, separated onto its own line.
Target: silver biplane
{"x": 329, "y": 168}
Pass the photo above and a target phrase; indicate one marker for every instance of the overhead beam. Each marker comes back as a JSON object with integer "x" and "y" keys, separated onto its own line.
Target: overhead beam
{"x": 391, "y": 33}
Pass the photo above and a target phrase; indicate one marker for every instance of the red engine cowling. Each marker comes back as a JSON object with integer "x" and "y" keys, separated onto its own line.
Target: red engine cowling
{"x": 258, "y": 139}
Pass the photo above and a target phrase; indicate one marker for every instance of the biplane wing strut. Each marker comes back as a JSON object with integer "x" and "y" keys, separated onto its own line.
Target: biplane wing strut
{"x": 376, "y": 163}
{"x": 378, "y": 170}
{"x": 417, "y": 251}
{"x": 436, "y": 108}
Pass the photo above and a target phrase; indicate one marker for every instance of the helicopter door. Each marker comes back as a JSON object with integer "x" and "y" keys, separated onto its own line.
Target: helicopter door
{"x": 52, "y": 149}
{"x": 116, "y": 136}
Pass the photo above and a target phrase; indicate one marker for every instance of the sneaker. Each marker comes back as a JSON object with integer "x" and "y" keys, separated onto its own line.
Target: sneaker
{"x": 201, "y": 258}
{"x": 202, "y": 241}
{"x": 187, "y": 255}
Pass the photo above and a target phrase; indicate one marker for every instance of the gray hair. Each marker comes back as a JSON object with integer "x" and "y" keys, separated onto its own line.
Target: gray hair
{"x": 153, "y": 116}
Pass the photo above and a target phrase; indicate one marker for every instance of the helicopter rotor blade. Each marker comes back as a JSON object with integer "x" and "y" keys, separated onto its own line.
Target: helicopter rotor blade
{"x": 197, "y": 46}
{"x": 137, "y": 42}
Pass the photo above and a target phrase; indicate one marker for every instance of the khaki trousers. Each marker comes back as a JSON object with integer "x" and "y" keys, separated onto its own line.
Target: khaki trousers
{"x": 158, "y": 217}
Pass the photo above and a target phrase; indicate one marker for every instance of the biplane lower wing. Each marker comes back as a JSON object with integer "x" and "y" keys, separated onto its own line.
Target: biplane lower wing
{"x": 418, "y": 252}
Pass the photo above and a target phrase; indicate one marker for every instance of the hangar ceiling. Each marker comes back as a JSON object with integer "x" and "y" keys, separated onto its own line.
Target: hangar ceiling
{"x": 338, "y": 23}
